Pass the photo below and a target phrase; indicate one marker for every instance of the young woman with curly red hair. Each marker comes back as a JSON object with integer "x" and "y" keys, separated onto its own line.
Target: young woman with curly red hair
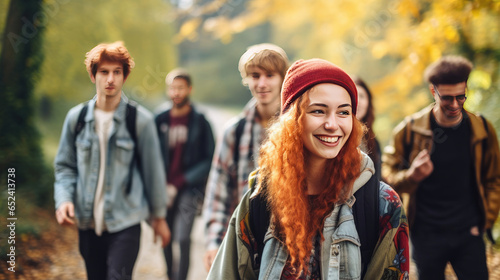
{"x": 297, "y": 220}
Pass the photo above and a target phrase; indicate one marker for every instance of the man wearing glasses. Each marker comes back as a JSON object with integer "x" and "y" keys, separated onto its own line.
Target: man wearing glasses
{"x": 448, "y": 161}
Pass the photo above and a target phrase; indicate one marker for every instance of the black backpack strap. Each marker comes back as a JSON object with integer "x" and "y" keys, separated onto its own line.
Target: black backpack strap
{"x": 131, "y": 115}
{"x": 408, "y": 144}
{"x": 366, "y": 218}
{"x": 80, "y": 123}
{"x": 130, "y": 119}
{"x": 260, "y": 219}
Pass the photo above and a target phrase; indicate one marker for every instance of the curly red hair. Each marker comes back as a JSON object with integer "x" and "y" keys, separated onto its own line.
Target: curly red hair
{"x": 282, "y": 165}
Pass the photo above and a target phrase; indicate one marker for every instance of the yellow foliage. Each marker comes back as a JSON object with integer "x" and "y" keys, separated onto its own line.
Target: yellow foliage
{"x": 451, "y": 34}
{"x": 479, "y": 79}
{"x": 74, "y": 27}
{"x": 380, "y": 49}
{"x": 188, "y": 30}
{"x": 361, "y": 35}
{"x": 409, "y": 7}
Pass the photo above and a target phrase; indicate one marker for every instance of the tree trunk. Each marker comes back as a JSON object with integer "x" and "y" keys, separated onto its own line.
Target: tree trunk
{"x": 20, "y": 61}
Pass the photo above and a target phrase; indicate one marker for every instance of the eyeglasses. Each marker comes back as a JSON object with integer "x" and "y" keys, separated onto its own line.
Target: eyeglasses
{"x": 449, "y": 98}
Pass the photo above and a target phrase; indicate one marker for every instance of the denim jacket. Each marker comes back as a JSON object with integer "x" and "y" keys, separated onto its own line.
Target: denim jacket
{"x": 77, "y": 170}
{"x": 340, "y": 251}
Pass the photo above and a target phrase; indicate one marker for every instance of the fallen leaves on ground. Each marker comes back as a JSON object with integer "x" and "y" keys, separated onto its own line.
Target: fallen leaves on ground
{"x": 53, "y": 254}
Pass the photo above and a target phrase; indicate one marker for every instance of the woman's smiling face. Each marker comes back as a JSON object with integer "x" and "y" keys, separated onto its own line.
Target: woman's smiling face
{"x": 327, "y": 122}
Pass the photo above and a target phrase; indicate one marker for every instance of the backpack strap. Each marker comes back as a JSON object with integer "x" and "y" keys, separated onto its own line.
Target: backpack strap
{"x": 80, "y": 123}
{"x": 366, "y": 218}
{"x": 131, "y": 115}
{"x": 130, "y": 119}
{"x": 260, "y": 219}
{"x": 408, "y": 144}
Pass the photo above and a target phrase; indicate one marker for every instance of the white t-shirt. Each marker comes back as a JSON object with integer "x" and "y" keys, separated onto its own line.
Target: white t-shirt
{"x": 103, "y": 129}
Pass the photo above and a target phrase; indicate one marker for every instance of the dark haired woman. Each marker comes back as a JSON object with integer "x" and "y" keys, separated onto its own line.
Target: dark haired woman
{"x": 366, "y": 114}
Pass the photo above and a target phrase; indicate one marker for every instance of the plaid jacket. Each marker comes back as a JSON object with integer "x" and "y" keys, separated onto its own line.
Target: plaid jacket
{"x": 227, "y": 181}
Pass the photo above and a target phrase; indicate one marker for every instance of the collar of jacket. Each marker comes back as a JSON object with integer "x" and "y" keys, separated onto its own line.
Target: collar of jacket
{"x": 367, "y": 171}
{"x": 422, "y": 123}
{"x": 119, "y": 114}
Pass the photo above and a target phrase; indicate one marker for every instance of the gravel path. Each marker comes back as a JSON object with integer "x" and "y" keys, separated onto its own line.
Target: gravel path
{"x": 151, "y": 265}
{"x": 151, "y": 262}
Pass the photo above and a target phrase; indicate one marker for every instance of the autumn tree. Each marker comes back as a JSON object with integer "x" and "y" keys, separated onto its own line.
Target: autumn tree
{"x": 388, "y": 42}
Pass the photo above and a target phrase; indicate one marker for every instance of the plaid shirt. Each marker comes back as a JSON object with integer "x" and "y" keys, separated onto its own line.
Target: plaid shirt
{"x": 222, "y": 193}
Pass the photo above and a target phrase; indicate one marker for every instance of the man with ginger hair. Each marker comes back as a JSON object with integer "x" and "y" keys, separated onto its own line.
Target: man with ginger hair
{"x": 262, "y": 68}
{"x": 108, "y": 175}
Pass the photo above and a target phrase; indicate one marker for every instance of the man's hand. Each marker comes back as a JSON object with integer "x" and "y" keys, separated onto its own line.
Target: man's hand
{"x": 161, "y": 229}
{"x": 421, "y": 167}
{"x": 65, "y": 214}
{"x": 171, "y": 194}
{"x": 209, "y": 258}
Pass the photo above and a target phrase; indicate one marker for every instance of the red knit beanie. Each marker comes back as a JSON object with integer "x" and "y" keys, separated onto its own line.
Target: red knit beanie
{"x": 304, "y": 74}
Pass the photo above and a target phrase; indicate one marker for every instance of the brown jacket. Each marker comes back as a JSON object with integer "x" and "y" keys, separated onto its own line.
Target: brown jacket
{"x": 486, "y": 164}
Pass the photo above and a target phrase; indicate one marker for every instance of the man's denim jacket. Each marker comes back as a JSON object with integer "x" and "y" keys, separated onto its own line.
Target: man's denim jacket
{"x": 77, "y": 170}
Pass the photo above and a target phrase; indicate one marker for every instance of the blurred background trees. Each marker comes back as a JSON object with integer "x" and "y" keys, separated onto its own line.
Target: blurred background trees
{"x": 74, "y": 28}
{"x": 387, "y": 42}
{"x": 43, "y": 75}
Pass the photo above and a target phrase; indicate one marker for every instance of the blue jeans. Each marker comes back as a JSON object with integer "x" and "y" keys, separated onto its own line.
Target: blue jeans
{"x": 111, "y": 255}
{"x": 466, "y": 253}
{"x": 180, "y": 219}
